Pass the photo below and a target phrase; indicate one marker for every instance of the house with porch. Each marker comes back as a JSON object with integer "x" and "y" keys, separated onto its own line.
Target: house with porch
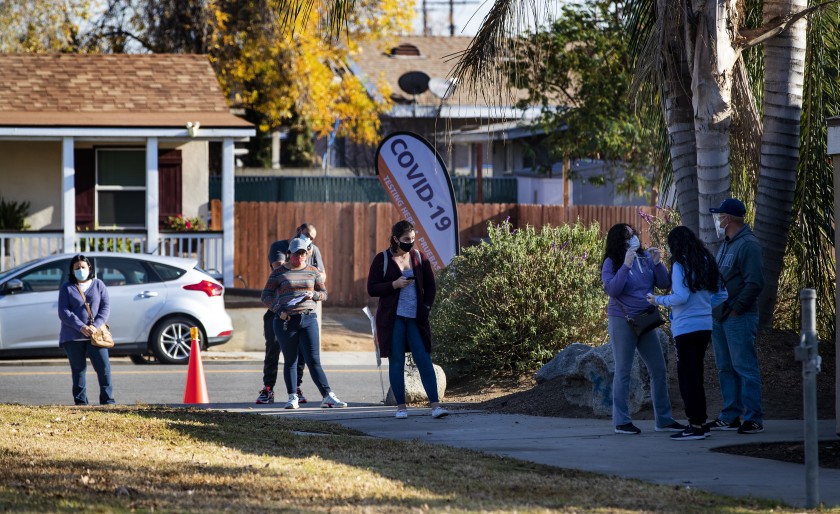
{"x": 106, "y": 147}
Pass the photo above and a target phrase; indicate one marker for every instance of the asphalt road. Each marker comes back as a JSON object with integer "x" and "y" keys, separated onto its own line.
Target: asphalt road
{"x": 48, "y": 382}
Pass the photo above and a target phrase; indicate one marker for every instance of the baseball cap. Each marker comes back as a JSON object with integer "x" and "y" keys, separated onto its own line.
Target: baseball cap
{"x": 278, "y": 251}
{"x": 732, "y": 207}
{"x": 299, "y": 243}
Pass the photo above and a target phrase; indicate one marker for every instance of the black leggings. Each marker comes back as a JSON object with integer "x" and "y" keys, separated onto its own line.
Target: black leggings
{"x": 691, "y": 354}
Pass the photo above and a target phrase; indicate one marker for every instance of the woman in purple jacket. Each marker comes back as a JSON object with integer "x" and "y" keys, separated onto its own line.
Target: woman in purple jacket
{"x": 77, "y": 327}
{"x": 629, "y": 274}
{"x": 404, "y": 282}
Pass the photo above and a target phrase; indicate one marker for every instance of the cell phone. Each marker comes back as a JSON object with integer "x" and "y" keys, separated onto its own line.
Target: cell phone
{"x": 409, "y": 278}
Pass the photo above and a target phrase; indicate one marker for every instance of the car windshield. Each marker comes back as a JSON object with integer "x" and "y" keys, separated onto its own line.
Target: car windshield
{"x": 12, "y": 271}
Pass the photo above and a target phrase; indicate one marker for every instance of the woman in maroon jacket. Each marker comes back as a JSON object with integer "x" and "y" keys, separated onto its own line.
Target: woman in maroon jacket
{"x": 404, "y": 282}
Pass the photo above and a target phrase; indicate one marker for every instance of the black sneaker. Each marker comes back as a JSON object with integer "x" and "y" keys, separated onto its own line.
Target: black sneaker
{"x": 301, "y": 397}
{"x": 707, "y": 431}
{"x": 627, "y": 428}
{"x": 266, "y": 395}
{"x": 750, "y": 427}
{"x": 673, "y": 427}
{"x": 719, "y": 424}
{"x": 695, "y": 433}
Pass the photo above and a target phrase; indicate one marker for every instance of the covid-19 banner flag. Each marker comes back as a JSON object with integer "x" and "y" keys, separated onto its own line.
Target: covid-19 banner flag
{"x": 413, "y": 174}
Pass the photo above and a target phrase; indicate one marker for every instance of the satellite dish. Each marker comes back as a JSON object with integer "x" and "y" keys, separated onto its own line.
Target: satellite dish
{"x": 442, "y": 88}
{"x": 414, "y": 82}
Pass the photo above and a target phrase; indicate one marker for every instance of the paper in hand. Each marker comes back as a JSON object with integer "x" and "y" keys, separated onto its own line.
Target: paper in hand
{"x": 296, "y": 300}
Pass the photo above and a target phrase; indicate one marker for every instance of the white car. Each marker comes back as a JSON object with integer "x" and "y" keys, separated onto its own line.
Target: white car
{"x": 154, "y": 302}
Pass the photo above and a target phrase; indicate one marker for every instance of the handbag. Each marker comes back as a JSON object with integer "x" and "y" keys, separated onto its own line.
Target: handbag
{"x": 645, "y": 321}
{"x": 101, "y": 337}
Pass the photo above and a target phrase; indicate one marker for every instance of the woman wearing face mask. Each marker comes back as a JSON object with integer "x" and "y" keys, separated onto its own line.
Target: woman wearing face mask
{"x": 629, "y": 274}
{"x": 403, "y": 280}
{"x": 291, "y": 292}
{"x": 77, "y": 327}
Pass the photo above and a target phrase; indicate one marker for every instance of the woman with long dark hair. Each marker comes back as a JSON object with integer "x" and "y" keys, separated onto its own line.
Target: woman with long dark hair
{"x": 629, "y": 273}
{"x": 403, "y": 280}
{"x": 77, "y": 326}
{"x": 696, "y": 289}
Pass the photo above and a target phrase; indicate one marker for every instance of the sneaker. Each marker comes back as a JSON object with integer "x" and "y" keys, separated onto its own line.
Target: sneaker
{"x": 707, "y": 431}
{"x": 301, "y": 397}
{"x": 627, "y": 428}
{"x": 750, "y": 427}
{"x": 331, "y": 400}
{"x": 720, "y": 424}
{"x": 691, "y": 433}
{"x": 292, "y": 403}
{"x": 266, "y": 395}
{"x": 439, "y": 412}
{"x": 401, "y": 414}
{"x": 673, "y": 427}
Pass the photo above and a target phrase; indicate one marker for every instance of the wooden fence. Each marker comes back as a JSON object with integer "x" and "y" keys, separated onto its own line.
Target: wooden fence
{"x": 350, "y": 234}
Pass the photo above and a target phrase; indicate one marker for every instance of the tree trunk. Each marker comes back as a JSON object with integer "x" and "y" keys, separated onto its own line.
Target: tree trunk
{"x": 679, "y": 115}
{"x": 714, "y": 65}
{"x": 783, "y": 89}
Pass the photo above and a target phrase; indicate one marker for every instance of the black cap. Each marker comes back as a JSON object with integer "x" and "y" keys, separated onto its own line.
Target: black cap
{"x": 278, "y": 251}
{"x": 732, "y": 207}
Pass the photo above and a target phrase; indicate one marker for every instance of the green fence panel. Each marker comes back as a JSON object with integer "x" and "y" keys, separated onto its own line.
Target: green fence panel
{"x": 349, "y": 189}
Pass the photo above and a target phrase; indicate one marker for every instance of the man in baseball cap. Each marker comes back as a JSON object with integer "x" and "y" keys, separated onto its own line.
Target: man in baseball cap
{"x": 736, "y": 321}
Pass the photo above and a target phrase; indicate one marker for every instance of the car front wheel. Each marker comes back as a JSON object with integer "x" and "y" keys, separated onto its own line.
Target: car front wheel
{"x": 170, "y": 340}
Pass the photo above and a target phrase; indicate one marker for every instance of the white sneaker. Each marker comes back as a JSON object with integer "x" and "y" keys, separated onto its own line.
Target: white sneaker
{"x": 331, "y": 400}
{"x": 401, "y": 414}
{"x": 292, "y": 403}
{"x": 439, "y": 412}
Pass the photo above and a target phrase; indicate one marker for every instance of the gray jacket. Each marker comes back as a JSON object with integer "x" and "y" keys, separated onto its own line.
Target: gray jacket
{"x": 740, "y": 262}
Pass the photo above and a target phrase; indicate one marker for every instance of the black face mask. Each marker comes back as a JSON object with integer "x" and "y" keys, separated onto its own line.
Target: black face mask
{"x": 406, "y": 247}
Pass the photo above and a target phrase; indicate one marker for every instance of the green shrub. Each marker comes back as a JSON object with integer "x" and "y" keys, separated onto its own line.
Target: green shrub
{"x": 13, "y": 215}
{"x": 507, "y": 306}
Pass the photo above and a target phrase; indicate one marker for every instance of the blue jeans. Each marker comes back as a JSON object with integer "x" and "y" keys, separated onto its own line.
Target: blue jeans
{"x": 297, "y": 336}
{"x": 733, "y": 341}
{"x": 625, "y": 344}
{"x": 405, "y": 334}
{"x": 272, "y": 353}
{"x": 77, "y": 353}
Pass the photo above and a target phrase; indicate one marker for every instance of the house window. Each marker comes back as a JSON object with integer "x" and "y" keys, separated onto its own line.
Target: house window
{"x": 121, "y": 188}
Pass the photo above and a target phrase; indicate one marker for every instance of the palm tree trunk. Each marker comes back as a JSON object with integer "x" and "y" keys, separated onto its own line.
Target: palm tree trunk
{"x": 783, "y": 89}
{"x": 679, "y": 114}
{"x": 714, "y": 65}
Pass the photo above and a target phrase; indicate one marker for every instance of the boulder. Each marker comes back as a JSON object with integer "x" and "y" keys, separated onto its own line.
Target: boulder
{"x": 414, "y": 391}
{"x": 586, "y": 375}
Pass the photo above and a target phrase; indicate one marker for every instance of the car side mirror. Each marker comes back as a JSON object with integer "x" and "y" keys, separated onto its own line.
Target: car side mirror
{"x": 13, "y": 286}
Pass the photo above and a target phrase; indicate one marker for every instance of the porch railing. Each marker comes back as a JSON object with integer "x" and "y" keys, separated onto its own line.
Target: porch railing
{"x": 19, "y": 247}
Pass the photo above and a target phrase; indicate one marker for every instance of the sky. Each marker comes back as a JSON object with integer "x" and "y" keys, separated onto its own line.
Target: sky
{"x": 467, "y": 17}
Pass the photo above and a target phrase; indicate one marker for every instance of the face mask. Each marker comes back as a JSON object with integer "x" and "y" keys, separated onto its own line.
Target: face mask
{"x": 296, "y": 260}
{"x": 81, "y": 274}
{"x": 719, "y": 230}
{"x": 406, "y": 247}
{"x": 633, "y": 243}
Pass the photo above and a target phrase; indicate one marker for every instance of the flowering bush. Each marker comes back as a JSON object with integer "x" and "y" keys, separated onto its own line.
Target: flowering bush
{"x": 184, "y": 224}
{"x": 659, "y": 225}
{"x": 507, "y": 306}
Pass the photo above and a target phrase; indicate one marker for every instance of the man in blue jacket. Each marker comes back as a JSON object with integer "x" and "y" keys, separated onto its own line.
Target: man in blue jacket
{"x": 736, "y": 321}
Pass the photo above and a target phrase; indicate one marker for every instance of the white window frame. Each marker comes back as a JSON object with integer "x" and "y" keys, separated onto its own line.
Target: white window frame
{"x": 97, "y": 188}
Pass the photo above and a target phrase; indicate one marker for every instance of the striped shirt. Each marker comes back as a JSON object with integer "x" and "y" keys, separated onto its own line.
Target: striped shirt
{"x": 286, "y": 284}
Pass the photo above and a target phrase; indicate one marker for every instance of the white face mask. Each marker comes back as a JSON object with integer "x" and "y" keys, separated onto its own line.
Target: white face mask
{"x": 633, "y": 243}
{"x": 719, "y": 230}
{"x": 81, "y": 274}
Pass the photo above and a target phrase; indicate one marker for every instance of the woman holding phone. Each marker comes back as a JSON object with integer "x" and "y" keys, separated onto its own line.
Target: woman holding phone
{"x": 403, "y": 280}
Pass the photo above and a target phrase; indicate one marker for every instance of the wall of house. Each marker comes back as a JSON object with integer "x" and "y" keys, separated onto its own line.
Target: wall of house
{"x": 31, "y": 172}
{"x": 195, "y": 190}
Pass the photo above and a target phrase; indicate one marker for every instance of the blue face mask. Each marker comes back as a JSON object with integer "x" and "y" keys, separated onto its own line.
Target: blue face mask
{"x": 633, "y": 243}
{"x": 81, "y": 274}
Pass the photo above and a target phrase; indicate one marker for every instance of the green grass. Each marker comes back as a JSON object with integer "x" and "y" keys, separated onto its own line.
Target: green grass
{"x": 62, "y": 459}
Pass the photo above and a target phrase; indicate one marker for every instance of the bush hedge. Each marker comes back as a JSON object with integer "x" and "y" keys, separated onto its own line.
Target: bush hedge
{"x": 508, "y": 305}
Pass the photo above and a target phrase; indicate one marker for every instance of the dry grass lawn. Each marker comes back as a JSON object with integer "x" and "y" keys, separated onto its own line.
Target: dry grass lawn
{"x": 61, "y": 459}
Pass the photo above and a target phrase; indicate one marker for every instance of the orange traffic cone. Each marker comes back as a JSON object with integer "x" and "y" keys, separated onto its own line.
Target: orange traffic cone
{"x": 196, "y": 390}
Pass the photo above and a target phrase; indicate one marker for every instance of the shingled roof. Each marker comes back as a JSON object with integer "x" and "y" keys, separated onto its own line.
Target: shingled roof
{"x": 120, "y": 90}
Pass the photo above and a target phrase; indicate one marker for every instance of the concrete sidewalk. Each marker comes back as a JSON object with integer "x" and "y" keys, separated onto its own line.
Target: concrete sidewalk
{"x": 591, "y": 445}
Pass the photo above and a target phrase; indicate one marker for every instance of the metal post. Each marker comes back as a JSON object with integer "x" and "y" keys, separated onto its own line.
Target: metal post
{"x": 807, "y": 353}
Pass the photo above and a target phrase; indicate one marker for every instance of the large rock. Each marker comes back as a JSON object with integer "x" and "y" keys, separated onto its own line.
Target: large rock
{"x": 414, "y": 391}
{"x": 587, "y": 374}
